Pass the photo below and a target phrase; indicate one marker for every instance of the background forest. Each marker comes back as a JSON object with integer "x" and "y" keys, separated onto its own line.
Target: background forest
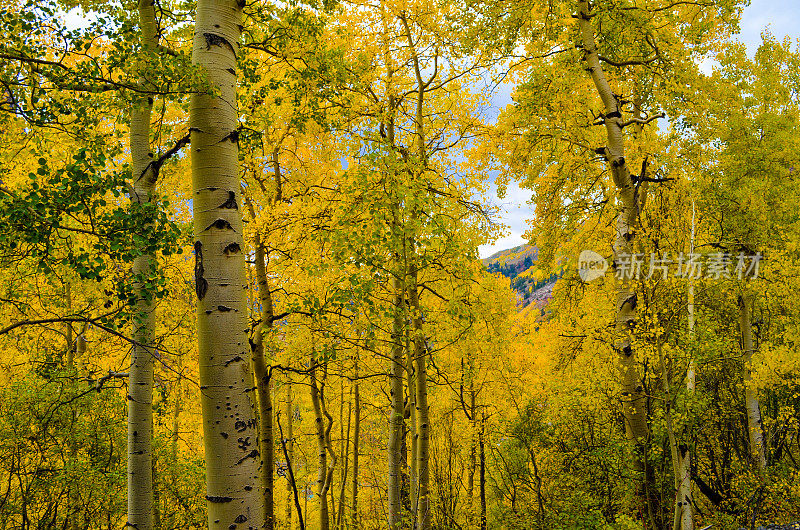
{"x": 240, "y": 284}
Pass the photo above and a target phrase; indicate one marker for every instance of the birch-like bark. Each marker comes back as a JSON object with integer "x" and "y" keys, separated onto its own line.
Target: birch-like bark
{"x": 423, "y": 419}
{"x": 324, "y": 449}
{"x": 230, "y": 433}
{"x": 684, "y": 499}
{"x": 70, "y": 359}
{"x": 356, "y": 435}
{"x": 633, "y": 395}
{"x": 411, "y": 392}
{"x": 345, "y": 450}
{"x": 754, "y": 425}
{"x": 288, "y": 443}
{"x": 263, "y": 377}
{"x": 396, "y": 420}
{"x": 422, "y": 504}
{"x": 140, "y": 388}
{"x": 482, "y": 477}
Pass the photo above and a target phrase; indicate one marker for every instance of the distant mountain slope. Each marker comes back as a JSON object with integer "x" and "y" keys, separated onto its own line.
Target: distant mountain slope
{"x": 517, "y": 264}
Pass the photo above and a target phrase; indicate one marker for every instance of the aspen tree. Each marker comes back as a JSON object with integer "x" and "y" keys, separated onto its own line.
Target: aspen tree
{"x": 233, "y": 472}
{"x": 140, "y": 388}
{"x": 754, "y": 425}
{"x": 263, "y": 376}
{"x": 633, "y": 396}
{"x": 353, "y": 522}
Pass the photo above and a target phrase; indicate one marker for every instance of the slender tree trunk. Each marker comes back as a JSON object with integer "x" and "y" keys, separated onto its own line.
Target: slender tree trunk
{"x": 70, "y": 358}
{"x": 341, "y": 519}
{"x": 175, "y": 436}
{"x": 289, "y": 445}
{"x": 423, "y": 419}
{"x": 472, "y": 455}
{"x": 356, "y": 439}
{"x": 263, "y": 378}
{"x": 481, "y": 444}
{"x": 292, "y": 481}
{"x": 230, "y": 433}
{"x": 633, "y": 395}
{"x": 754, "y": 425}
{"x": 396, "y": 423}
{"x": 411, "y": 391}
{"x": 140, "y": 388}
{"x": 325, "y": 471}
{"x": 684, "y": 497}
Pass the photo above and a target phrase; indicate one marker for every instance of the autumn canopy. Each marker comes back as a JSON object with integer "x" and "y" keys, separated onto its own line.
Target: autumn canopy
{"x": 244, "y": 282}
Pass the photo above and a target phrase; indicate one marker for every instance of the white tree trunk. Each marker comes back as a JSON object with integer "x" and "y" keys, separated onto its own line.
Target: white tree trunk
{"x": 140, "y": 387}
{"x": 230, "y": 434}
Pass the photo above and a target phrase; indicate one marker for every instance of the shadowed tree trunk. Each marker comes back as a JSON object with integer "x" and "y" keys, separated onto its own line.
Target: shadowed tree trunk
{"x": 754, "y": 425}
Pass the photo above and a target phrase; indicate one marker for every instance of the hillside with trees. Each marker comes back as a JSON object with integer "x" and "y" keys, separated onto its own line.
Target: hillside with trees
{"x": 240, "y": 285}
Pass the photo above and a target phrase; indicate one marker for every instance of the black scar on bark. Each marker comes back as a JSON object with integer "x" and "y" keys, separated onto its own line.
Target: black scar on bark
{"x": 627, "y": 350}
{"x": 240, "y": 426}
{"x": 223, "y": 308}
{"x": 614, "y": 114}
{"x": 220, "y": 499}
{"x": 212, "y": 39}
{"x": 220, "y": 224}
{"x": 632, "y": 300}
{"x": 200, "y": 283}
{"x": 619, "y": 162}
{"x": 252, "y": 454}
{"x": 235, "y": 359}
{"x": 231, "y": 202}
{"x": 233, "y": 136}
{"x": 241, "y": 519}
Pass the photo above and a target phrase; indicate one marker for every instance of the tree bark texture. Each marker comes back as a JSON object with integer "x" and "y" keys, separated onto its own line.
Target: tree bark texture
{"x": 230, "y": 433}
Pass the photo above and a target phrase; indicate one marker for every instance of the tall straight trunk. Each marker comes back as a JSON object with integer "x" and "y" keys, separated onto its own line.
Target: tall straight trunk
{"x": 345, "y": 450}
{"x": 396, "y": 420}
{"x": 481, "y": 446}
{"x": 683, "y": 499}
{"x": 472, "y": 455}
{"x": 423, "y": 419}
{"x": 140, "y": 388}
{"x": 263, "y": 377}
{"x": 754, "y": 425}
{"x": 633, "y": 395}
{"x": 289, "y": 444}
{"x": 323, "y": 432}
{"x": 411, "y": 392}
{"x": 69, "y": 361}
{"x": 423, "y": 515}
{"x": 230, "y": 433}
{"x": 396, "y": 365}
{"x": 356, "y": 436}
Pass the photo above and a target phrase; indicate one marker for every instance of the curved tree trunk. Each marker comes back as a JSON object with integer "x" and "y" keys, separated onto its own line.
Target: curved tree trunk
{"x": 230, "y": 434}
{"x": 289, "y": 445}
{"x": 633, "y": 395}
{"x": 325, "y": 470}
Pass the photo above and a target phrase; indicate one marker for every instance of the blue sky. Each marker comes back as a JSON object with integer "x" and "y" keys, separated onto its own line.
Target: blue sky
{"x": 780, "y": 17}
